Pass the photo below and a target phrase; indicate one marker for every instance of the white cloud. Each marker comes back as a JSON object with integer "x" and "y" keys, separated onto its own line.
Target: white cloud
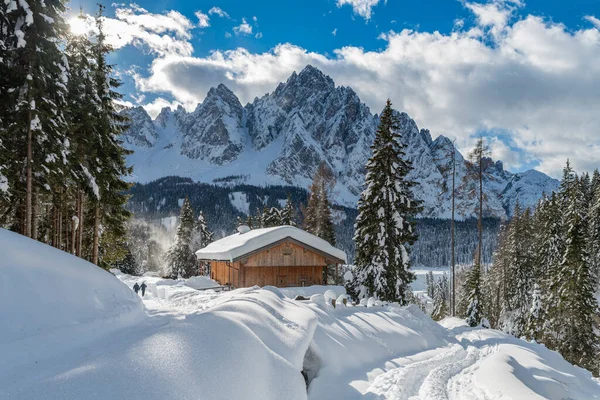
{"x": 258, "y": 35}
{"x": 334, "y": 32}
{"x": 203, "y": 19}
{"x": 227, "y": 34}
{"x": 154, "y": 108}
{"x": 162, "y": 34}
{"x": 219, "y": 12}
{"x": 535, "y": 80}
{"x": 243, "y": 29}
{"x": 595, "y": 21}
{"x": 361, "y": 7}
{"x": 254, "y": 19}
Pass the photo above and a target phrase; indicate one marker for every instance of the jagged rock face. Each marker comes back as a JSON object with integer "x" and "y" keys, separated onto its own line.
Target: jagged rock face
{"x": 283, "y": 136}
{"x": 142, "y": 132}
{"x": 317, "y": 122}
{"x": 215, "y": 130}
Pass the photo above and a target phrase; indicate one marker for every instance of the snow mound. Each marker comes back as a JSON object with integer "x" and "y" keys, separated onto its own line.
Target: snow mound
{"x": 49, "y": 297}
{"x": 308, "y": 291}
{"x": 201, "y": 282}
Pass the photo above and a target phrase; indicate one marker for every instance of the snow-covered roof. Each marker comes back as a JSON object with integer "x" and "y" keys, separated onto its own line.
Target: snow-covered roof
{"x": 231, "y": 247}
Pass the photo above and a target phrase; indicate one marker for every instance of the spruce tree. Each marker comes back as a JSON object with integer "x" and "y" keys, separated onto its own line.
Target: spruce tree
{"x": 384, "y": 229}
{"x": 202, "y": 237}
{"x": 593, "y": 239}
{"x": 181, "y": 260}
{"x": 474, "y": 297}
{"x": 33, "y": 90}
{"x": 574, "y": 307}
{"x": 288, "y": 213}
{"x": 108, "y": 165}
{"x": 440, "y": 308}
{"x": 317, "y": 215}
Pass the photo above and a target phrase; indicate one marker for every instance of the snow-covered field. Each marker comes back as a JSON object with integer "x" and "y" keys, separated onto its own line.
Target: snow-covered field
{"x": 76, "y": 332}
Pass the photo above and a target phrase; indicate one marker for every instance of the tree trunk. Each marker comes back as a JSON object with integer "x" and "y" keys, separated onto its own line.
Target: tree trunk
{"x": 29, "y": 178}
{"x": 480, "y": 220}
{"x": 453, "y": 298}
{"x": 80, "y": 227}
{"x": 74, "y": 227}
{"x": 96, "y": 234}
{"x": 34, "y": 213}
{"x": 59, "y": 218}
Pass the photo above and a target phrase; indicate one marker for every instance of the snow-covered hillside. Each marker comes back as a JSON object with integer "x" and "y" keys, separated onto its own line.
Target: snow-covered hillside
{"x": 282, "y": 137}
{"x": 246, "y": 344}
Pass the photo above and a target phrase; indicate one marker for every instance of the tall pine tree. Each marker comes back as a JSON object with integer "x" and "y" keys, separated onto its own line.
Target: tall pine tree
{"x": 181, "y": 260}
{"x": 384, "y": 229}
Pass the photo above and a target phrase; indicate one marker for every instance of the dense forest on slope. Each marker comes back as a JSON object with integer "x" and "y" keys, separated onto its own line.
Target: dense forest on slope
{"x": 162, "y": 199}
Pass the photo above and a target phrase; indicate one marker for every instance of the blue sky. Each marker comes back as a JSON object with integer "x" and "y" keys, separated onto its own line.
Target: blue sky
{"x": 524, "y": 73}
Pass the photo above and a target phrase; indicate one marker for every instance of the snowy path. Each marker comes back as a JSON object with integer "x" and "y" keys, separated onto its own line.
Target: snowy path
{"x": 193, "y": 342}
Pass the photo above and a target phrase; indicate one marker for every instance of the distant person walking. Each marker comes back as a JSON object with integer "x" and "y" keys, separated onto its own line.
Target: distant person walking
{"x": 143, "y": 287}
{"x": 136, "y": 288}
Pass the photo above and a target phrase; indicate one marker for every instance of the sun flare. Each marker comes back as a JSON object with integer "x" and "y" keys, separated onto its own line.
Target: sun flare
{"x": 78, "y": 26}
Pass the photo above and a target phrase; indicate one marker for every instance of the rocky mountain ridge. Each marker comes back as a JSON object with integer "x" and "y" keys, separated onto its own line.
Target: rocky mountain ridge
{"x": 282, "y": 137}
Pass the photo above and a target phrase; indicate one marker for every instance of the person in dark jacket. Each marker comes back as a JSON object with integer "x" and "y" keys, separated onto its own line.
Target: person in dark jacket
{"x": 136, "y": 288}
{"x": 143, "y": 287}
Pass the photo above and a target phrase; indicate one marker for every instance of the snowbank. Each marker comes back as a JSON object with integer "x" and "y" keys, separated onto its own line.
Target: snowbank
{"x": 308, "y": 291}
{"x": 51, "y": 300}
{"x": 201, "y": 282}
{"x": 259, "y": 344}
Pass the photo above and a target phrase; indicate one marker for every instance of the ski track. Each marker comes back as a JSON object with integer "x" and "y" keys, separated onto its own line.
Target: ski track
{"x": 448, "y": 375}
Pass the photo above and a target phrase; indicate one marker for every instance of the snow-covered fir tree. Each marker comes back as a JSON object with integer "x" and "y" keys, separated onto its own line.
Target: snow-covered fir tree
{"x": 474, "y": 313}
{"x": 33, "y": 93}
{"x": 288, "y": 213}
{"x": 317, "y": 214}
{"x": 181, "y": 260}
{"x": 384, "y": 229}
{"x": 574, "y": 284}
{"x": 536, "y": 315}
{"x": 201, "y": 238}
{"x": 440, "y": 306}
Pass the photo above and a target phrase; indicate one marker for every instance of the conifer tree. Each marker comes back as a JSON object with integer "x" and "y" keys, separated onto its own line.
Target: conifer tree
{"x": 108, "y": 165}
{"x": 593, "y": 239}
{"x": 384, "y": 229}
{"x": 474, "y": 297}
{"x": 181, "y": 260}
{"x": 572, "y": 306}
{"x": 536, "y": 316}
{"x": 33, "y": 87}
{"x": 317, "y": 215}
{"x": 201, "y": 238}
{"x": 288, "y": 213}
{"x": 440, "y": 308}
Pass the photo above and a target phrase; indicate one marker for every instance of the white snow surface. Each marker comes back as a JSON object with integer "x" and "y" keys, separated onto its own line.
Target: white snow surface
{"x": 50, "y": 299}
{"x": 238, "y": 244}
{"x": 252, "y": 343}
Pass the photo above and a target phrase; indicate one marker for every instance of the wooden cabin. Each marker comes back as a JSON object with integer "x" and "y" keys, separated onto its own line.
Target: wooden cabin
{"x": 282, "y": 256}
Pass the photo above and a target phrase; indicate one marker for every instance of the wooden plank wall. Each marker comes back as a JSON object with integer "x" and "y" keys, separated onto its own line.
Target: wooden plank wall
{"x": 225, "y": 275}
{"x": 286, "y": 264}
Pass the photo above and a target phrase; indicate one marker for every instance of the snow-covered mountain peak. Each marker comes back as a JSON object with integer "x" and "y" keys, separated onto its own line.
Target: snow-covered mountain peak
{"x": 283, "y": 136}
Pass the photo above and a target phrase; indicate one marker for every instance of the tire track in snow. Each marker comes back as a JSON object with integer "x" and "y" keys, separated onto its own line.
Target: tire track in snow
{"x": 405, "y": 382}
{"x": 435, "y": 385}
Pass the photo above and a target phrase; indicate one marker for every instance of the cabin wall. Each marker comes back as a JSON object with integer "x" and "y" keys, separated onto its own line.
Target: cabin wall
{"x": 225, "y": 273}
{"x": 285, "y": 254}
{"x": 286, "y": 264}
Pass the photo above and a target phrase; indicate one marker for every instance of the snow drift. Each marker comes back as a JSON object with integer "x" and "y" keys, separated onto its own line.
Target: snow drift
{"x": 50, "y": 299}
{"x": 249, "y": 343}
